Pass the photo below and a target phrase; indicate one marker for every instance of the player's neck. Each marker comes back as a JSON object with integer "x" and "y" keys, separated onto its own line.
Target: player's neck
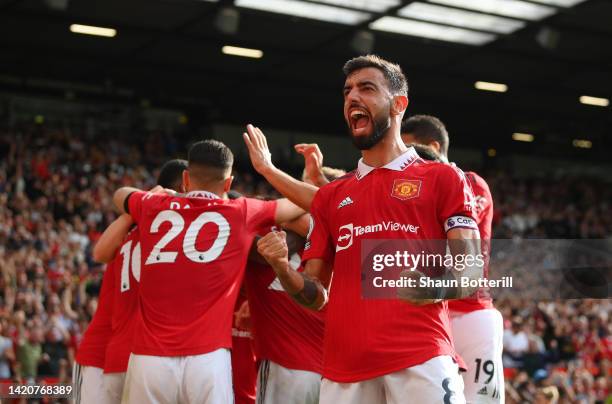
{"x": 385, "y": 151}
{"x": 195, "y": 188}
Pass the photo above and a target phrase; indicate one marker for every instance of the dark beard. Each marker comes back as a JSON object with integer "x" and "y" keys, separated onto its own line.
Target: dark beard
{"x": 381, "y": 125}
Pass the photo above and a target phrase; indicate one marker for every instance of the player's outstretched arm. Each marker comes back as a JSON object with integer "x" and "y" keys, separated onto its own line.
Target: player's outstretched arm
{"x": 306, "y": 287}
{"x": 110, "y": 241}
{"x": 298, "y": 192}
{"x": 287, "y": 211}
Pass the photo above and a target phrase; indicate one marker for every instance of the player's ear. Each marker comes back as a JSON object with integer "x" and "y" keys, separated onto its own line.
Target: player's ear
{"x": 399, "y": 105}
{"x": 186, "y": 180}
{"x": 436, "y": 145}
{"x": 227, "y": 184}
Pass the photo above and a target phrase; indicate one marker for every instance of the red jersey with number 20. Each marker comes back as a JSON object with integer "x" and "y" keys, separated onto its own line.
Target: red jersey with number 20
{"x": 125, "y": 297}
{"x": 408, "y": 198}
{"x": 194, "y": 251}
{"x": 483, "y": 210}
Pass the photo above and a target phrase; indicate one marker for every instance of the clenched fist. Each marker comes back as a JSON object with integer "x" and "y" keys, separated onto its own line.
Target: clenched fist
{"x": 273, "y": 247}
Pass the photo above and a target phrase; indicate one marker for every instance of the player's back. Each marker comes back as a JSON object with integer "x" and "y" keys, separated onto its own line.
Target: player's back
{"x": 193, "y": 252}
{"x": 125, "y": 299}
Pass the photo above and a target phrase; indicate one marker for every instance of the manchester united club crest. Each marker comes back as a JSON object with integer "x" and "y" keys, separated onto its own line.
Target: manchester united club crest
{"x": 406, "y": 189}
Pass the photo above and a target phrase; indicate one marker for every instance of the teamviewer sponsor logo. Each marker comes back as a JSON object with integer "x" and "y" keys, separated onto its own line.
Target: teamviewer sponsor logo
{"x": 347, "y": 232}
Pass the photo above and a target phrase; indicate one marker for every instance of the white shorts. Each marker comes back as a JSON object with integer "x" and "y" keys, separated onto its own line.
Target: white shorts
{"x": 277, "y": 384}
{"x": 478, "y": 339}
{"x": 201, "y": 379}
{"x": 113, "y": 386}
{"x": 88, "y": 385}
{"x": 435, "y": 381}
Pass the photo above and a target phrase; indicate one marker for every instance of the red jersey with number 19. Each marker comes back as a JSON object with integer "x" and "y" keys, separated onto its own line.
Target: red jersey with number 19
{"x": 125, "y": 297}
{"x": 194, "y": 251}
{"x": 408, "y": 198}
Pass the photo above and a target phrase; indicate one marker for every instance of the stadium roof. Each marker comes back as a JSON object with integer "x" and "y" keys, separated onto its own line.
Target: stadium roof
{"x": 547, "y": 53}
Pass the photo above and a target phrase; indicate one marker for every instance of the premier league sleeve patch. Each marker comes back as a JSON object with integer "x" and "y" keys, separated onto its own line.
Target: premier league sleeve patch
{"x": 406, "y": 189}
{"x": 462, "y": 222}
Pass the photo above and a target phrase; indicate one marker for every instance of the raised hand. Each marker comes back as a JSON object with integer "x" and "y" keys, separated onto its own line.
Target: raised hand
{"x": 313, "y": 162}
{"x": 257, "y": 145}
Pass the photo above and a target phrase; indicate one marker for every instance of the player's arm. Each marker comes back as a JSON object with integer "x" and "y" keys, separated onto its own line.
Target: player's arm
{"x": 287, "y": 211}
{"x": 306, "y": 288}
{"x": 121, "y": 197}
{"x": 464, "y": 242}
{"x": 298, "y": 192}
{"x": 299, "y": 225}
{"x": 110, "y": 241}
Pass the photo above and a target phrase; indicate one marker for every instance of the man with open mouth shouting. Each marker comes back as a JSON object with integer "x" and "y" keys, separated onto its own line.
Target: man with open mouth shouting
{"x": 376, "y": 350}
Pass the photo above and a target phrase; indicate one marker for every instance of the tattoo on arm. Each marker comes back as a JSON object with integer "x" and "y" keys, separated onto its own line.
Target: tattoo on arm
{"x": 313, "y": 295}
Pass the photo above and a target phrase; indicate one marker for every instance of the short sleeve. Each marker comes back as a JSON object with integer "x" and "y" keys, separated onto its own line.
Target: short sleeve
{"x": 455, "y": 200}
{"x": 259, "y": 215}
{"x": 483, "y": 203}
{"x": 134, "y": 204}
{"x": 318, "y": 241}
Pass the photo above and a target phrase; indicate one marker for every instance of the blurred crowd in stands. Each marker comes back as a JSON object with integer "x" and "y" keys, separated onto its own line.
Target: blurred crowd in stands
{"x": 55, "y": 200}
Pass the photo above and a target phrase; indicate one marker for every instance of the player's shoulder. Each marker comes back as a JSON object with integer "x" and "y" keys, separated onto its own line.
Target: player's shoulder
{"x": 338, "y": 185}
{"x": 476, "y": 180}
{"x": 340, "y": 182}
{"x": 436, "y": 168}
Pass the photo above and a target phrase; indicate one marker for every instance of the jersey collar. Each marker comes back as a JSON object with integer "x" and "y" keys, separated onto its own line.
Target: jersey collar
{"x": 202, "y": 194}
{"x": 399, "y": 164}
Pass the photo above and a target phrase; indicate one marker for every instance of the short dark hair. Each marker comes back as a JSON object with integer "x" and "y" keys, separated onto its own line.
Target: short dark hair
{"x": 171, "y": 174}
{"x": 426, "y": 152}
{"x": 426, "y": 129}
{"x": 210, "y": 160}
{"x": 398, "y": 85}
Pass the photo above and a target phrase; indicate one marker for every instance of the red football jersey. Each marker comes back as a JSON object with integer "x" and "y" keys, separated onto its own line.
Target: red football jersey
{"x": 408, "y": 198}
{"x": 194, "y": 251}
{"x": 483, "y": 211}
{"x": 285, "y": 332}
{"x": 91, "y": 350}
{"x": 125, "y": 297}
{"x": 244, "y": 362}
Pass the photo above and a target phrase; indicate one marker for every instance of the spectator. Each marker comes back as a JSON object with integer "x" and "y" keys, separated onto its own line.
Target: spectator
{"x": 7, "y": 354}
{"x": 516, "y": 344}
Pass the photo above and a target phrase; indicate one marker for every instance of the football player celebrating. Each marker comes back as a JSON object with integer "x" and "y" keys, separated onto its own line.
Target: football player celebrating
{"x": 377, "y": 351}
{"x": 107, "y": 342}
{"x": 194, "y": 250}
{"x": 476, "y": 325}
{"x": 288, "y": 337}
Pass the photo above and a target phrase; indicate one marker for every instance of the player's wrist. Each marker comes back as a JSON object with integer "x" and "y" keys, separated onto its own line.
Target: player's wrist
{"x": 320, "y": 179}
{"x": 281, "y": 268}
{"x": 268, "y": 170}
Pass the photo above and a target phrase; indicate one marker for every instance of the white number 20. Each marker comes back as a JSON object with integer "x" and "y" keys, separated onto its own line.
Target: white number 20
{"x": 158, "y": 256}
